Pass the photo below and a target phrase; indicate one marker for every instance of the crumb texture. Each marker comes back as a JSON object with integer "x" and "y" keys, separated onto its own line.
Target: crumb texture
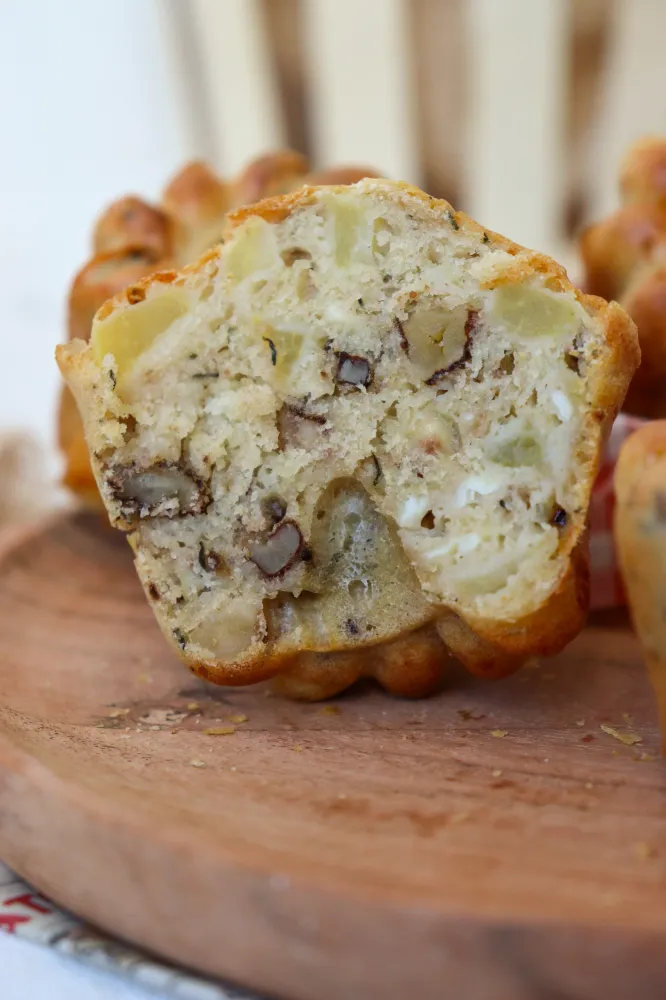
{"x": 361, "y": 418}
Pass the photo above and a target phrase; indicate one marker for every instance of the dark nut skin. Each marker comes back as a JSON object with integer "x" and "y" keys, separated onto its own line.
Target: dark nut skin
{"x": 559, "y": 518}
{"x": 353, "y": 370}
{"x": 162, "y": 490}
{"x": 471, "y": 326}
{"x": 273, "y": 508}
{"x": 279, "y": 551}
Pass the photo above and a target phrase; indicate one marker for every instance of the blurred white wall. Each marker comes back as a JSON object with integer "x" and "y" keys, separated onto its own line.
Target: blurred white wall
{"x": 87, "y": 113}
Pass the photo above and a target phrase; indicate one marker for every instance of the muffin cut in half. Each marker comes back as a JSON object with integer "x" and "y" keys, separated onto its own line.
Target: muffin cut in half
{"x": 360, "y": 426}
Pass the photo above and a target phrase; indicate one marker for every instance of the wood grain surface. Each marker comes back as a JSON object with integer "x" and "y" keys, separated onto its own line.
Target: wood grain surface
{"x": 491, "y": 843}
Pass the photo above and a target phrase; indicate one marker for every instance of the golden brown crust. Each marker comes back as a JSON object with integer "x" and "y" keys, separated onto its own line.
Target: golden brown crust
{"x": 132, "y": 222}
{"x": 195, "y": 195}
{"x": 640, "y": 536}
{"x": 100, "y": 279}
{"x": 497, "y": 649}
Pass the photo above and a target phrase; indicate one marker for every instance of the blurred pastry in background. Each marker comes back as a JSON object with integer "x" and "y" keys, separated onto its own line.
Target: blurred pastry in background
{"x": 625, "y": 259}
{"x": 25, "y": 489}
{"x": 133, "y": 239}
{"x": 640, "y": 537}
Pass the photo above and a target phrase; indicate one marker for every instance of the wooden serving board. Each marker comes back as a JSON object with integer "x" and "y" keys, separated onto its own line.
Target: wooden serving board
{"x": 491, "y": 843}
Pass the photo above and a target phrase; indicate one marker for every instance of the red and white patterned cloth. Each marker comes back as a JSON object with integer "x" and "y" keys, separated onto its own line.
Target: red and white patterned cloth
{"x": 607, "y": 589}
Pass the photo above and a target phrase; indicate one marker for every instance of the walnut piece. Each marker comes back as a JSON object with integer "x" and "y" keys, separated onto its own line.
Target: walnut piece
{"x": 164, "y": 490}
{"x": 279, "y": 551}
{"x": 353, "y": 370}
{"x": 436, "y": 338}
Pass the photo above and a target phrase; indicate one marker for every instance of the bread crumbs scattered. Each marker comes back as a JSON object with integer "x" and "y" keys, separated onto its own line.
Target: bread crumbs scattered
{"x": 238, "y": 718}
{"x": 467, "y": 714}
{"x": 588, "y": 784}
{"x": 155, "y": 728}
{"x": 157, "y": 717}
{"x": 580, "y": 722}
{"x": 628, "y": 718}
{"x": 644, "y": 851}
{"x": 499, "y": 733}
{"x": 192, "y": 706}
{"x": 629, "y": 739}
{"x": 298, "y": 748}
{"x": 497, "y": 774}
{"x": 645, "y": 756}
{"x": 459, "y": 817}
{"x": 329, "y": 710}
{"x": 197, "y": 763}
{"x": 144, "y": 678}
{"x": 219, "y": 731}
{"x": 116, "y": 713}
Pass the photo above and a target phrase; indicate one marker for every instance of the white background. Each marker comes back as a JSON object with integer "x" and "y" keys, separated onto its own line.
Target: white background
{"x": 86, "y": 115}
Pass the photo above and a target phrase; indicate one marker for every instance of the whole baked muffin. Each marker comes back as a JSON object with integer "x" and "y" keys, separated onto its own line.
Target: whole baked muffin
{"x": 625, "y": 259}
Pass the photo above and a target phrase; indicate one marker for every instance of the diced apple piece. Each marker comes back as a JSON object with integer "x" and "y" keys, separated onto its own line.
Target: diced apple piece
{"x": 128, "y": 332}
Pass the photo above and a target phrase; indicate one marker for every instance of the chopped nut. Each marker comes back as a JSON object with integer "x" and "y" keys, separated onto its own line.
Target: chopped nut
{"x": 208, "y": 560}
{"x": 497, "y": 773}
{"x": 404, "y": 343}
{"x": 274, "y": 508}
{"x": 116, "y": 713}
{"x": 279, "y": 551}
{"x": 297, "y": 428}
{"x": 163, "y": 490}
{"x": 220, "y": 731}
{"x": 353, "y": 370}
{"x": 192, "y": 706}
{"x": 238, "y": 718}
{"x": 499, "y": 733}
{"x": 197, "y": 763}
{"x": 437, "y": 338}
{"x": 290, "y": 257}
{"x": 559, "y": 517}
